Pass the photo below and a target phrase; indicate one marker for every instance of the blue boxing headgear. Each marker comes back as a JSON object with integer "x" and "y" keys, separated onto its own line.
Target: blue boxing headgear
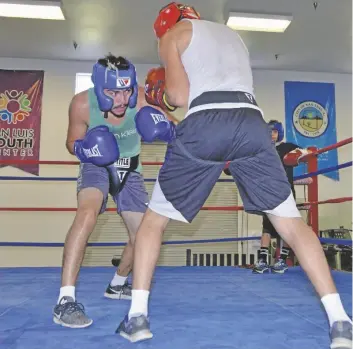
{"x": 278, "y": 126}
{"x": 112, "y": 78}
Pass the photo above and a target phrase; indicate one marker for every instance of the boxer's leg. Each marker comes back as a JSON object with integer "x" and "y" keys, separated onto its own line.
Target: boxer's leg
{"x": 132, "y": 203}
{"x": 262, "y": 182}
{"x": 312, "y": 259}
{"x": 92, "y": 187}
{"x": 306, "y": 246}
{"x": 89, "y": 205}
{"x": 262, "y": 264}
{"x": 168, "y": 201}
{"x": 280, "y": 266}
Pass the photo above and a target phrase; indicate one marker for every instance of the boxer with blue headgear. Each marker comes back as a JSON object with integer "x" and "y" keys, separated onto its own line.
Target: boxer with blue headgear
{"x": 115, "y": 85}
{"x": 277, "y": 126}
{"x": 104, "y": 136}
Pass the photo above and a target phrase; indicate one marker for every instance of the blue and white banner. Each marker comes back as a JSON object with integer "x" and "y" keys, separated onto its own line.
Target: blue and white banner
{"x": 311, "y": 120}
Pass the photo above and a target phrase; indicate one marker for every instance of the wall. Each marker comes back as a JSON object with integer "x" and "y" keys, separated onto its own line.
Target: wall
{"x": 269, "y": 91}
{"x": 51, "y": 227}
{"x": 270, "y": 95}
{"x": 59, "y": 86}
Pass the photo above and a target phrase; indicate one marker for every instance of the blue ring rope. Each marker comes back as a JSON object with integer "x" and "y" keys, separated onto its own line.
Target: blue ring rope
{"x": 178, "y": 242}
{"x": 336, "y": 241}
{"x": 324, "y": 170}
{"x": 111, "y": 244}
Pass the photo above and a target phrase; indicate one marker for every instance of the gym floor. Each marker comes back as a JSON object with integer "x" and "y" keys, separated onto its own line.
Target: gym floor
{"x": 190, "y": 308}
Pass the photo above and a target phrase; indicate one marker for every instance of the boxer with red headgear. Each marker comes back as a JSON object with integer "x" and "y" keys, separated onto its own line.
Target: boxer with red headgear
{"x": 103, "y": 135}
{"x": 171, "y": 15}
{"x": 207, "y": 71}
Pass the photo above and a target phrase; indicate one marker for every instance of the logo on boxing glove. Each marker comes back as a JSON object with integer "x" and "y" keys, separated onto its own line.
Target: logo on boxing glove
{"x": 151, "y": 124}
{"x": 157, "y": 118}
{"x": 92, "y": 152}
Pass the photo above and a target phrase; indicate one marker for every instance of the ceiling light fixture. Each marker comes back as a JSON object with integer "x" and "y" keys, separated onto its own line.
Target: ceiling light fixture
{"x": 38, "y": 9}
{"x": 258, "y": 22}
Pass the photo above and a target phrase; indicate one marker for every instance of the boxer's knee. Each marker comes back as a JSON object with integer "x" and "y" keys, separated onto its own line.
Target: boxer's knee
{"x": 154, "y": 221}
{"x": 132, "y": 222}
{"x": 90, "y": 201}
{"x": 290, "y": 229}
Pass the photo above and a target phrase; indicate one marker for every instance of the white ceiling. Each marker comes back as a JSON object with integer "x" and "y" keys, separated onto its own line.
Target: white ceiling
{"x": 317, "y": 40}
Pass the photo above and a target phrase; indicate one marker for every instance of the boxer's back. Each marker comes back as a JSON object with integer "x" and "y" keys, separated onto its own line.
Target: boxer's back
{"x": 216, "y": 60}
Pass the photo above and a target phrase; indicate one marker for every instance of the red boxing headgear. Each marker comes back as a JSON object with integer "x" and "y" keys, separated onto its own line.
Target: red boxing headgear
{"x": 171, "y": 15}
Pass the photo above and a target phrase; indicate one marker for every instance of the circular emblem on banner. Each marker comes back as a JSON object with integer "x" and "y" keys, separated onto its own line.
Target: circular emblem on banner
{"x": 310, "y": 119}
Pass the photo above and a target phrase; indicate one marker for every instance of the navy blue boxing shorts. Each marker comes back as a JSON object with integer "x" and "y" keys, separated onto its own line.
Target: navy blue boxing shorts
{"x": 205, "y": 141}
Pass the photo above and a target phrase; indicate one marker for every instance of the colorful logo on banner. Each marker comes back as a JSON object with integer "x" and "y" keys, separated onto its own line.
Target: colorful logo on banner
{"x": 14, "y": 106}
{"x": 311, "y": 120}
{"x": 20, "y": 117}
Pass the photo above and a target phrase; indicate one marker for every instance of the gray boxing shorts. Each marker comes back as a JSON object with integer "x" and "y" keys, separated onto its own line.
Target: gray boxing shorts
{"x": 133, "y": 197}
{"x": 205, "y": 141}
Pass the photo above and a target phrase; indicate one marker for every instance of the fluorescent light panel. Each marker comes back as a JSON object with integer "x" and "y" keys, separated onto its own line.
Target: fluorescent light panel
{"x": 258, "y": 22}
{"x": 31, "y": 9}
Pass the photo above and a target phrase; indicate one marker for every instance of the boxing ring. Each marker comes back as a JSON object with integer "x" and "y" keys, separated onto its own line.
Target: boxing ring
{"x": 211, "y": 300}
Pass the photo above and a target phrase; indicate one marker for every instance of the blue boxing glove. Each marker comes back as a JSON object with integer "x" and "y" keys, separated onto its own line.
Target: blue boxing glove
{"x": 152, "y": 124}
{"x": 99, "y": 147}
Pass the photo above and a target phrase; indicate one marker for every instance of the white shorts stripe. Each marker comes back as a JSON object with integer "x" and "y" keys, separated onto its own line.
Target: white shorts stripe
{"x": 162, "y": 206}
{"x": 287, "y": 208}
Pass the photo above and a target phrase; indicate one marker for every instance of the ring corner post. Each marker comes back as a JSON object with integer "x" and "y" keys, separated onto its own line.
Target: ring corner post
{"x": 313, "y": 192}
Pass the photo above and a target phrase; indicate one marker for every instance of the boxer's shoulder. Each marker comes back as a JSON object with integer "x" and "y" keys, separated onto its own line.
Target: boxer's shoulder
{"x": 181, "y": 34}
{"x": 183, "y": 26}
{"x": 141, "y": 101}
{"x": 79, "y": 106}
{"x": 80, "y": 99}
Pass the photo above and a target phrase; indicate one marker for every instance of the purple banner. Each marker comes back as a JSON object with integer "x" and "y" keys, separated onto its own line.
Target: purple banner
{"x": 20, "y": 117}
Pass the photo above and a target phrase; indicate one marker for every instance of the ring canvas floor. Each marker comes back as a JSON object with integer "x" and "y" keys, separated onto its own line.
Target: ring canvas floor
{"x": 190, "y": 308}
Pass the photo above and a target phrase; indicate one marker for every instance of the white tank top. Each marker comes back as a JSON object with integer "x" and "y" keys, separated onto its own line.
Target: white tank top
{"x": 216, "y": 60}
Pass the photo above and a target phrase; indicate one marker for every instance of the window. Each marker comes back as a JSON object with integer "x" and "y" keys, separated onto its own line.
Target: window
{"x": 83, "y": 82}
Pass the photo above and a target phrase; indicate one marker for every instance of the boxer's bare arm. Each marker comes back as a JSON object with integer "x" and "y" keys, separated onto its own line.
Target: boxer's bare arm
{"x": 171, "y": 47}
{"x": 78, "y": 120}
{"x": 141, "y": 102}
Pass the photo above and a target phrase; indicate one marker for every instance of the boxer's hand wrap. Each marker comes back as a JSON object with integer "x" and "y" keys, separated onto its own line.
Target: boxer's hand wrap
{"x": 293, "y": 158}
{"x": 99, "y": 147}
{"x": 166, "y": 104}
{"x": 155, "y": 89}
{"x": 151, "y": 124}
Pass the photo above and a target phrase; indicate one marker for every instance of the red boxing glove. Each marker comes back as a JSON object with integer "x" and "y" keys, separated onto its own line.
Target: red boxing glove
{"x": 155, "y": 89}
{"x": 292, "y": 158}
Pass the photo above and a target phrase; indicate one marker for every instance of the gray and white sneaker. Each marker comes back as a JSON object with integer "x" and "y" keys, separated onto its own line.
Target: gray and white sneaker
{"x": 136, "y": 329}
{"x": 118, "y": 292}
{"x": 71, "y": 314}
{"x": 341, "y": 335}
